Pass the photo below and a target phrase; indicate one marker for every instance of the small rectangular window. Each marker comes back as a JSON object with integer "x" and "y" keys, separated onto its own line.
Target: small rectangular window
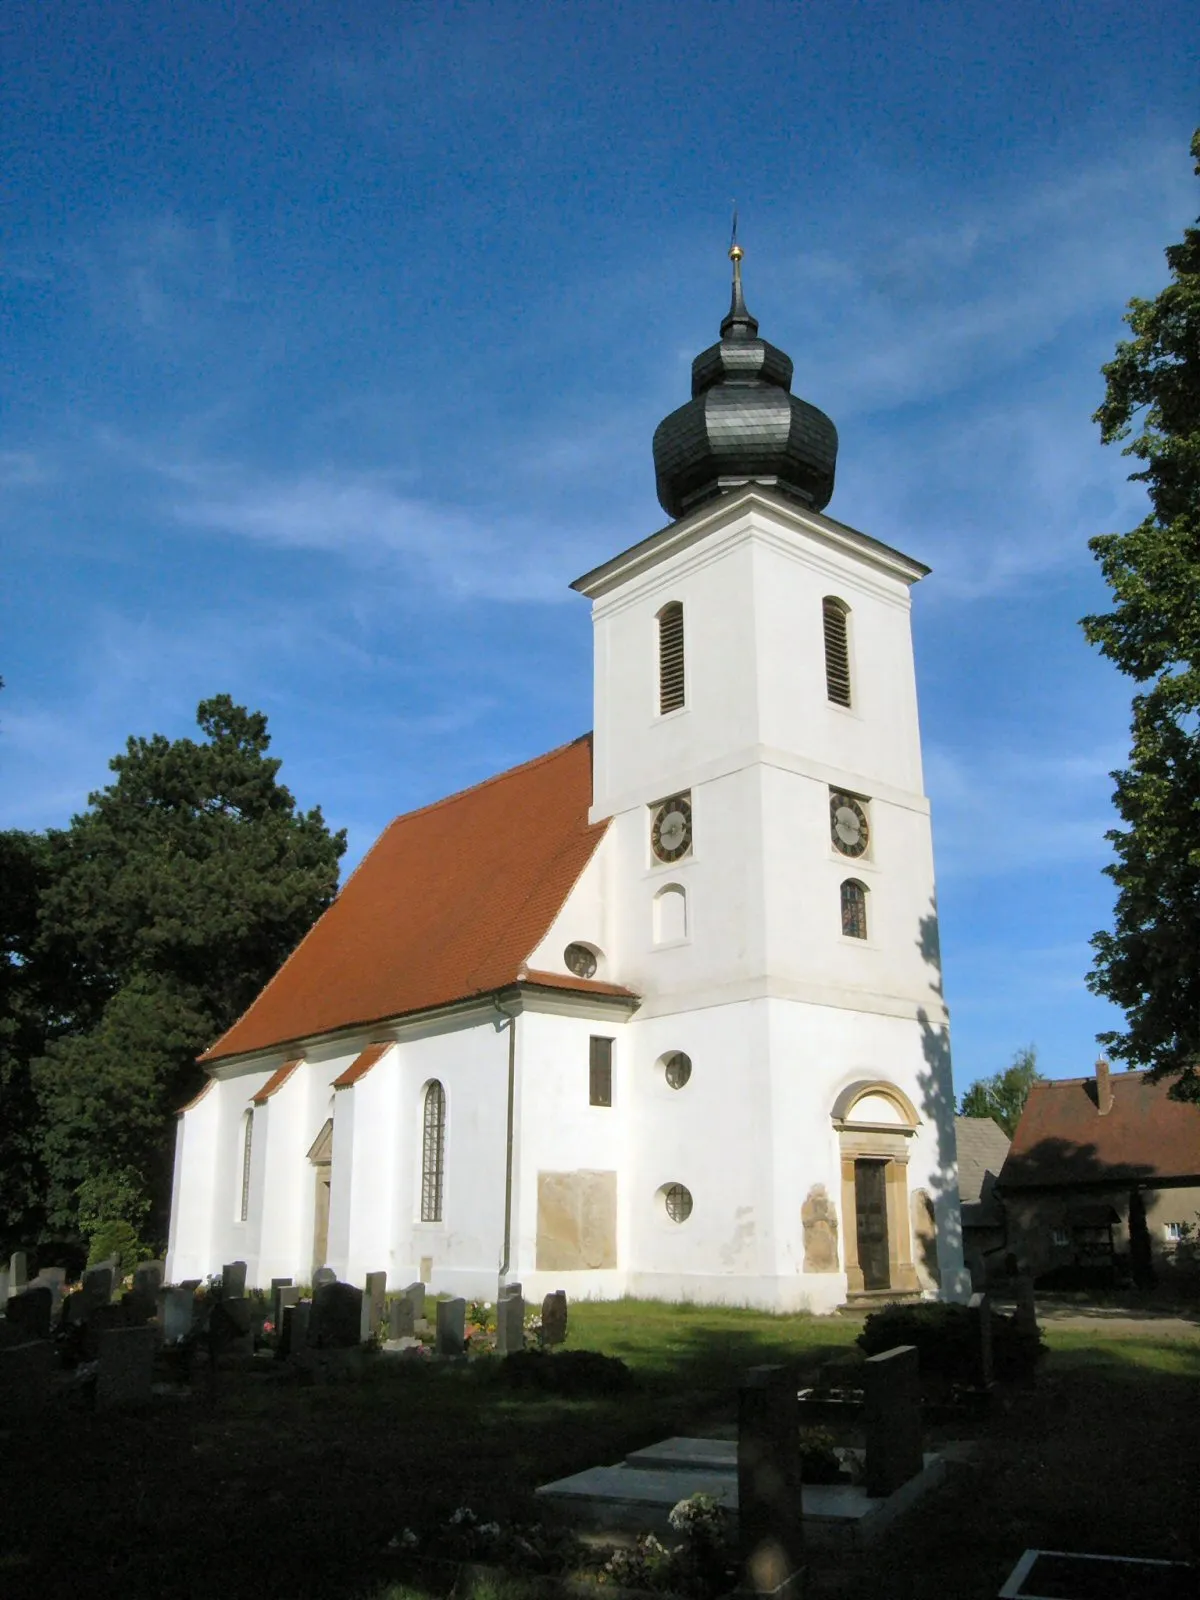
{"x": 1060, "y": 1238}
{"x": 600, "y": 1075}
{"x": 1173, "y": 1232}
{"x": 670, "y": 657}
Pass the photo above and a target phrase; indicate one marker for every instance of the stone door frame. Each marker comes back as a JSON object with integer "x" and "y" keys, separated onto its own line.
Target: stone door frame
{"x": 889, "y": 1142}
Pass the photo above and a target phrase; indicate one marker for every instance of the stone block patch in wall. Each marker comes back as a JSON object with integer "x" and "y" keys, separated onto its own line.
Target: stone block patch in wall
{"x": 819, "y": 1219}
{"x": 576, "y": 1221}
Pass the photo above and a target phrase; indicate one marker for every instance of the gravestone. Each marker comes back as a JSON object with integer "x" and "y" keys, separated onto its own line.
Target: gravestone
{"x": 233, "y": 1280}
{"x": 451, "y": 1327}
{"x": 25, "y": 1378}
{"x": 373, "y": 1305}
{"x": 400, "y": 1318}
{"x": 770, "y": 1526}
{"x": 28, "y": 1313}
{"x": 981, "y": 1310}
{"x": 416, "y": 1298}
{"x": 336, "y": 1319}
{"x": 190, "y": 1283}
{"x": 818, "y": 1220}
{"x": 322, "y": 1276}
{"x": 139, "y": 1305}
{"x": 284, "y": 1295}
{"x": 51, "y": 1278}
{"x": 293, "y": 1332}
{"x": 892, "y": 1418}
{"x": 511, "y": 1288}
{"x": 96, "y": 1291}
{"x": 280, "y": 1283}
{"x": 126, "y": 1369}
{"x": 176, "y": 1309}
{"x": 148, "y": 1277}
{"x": 18, "y": 1272}
{"x": 554, "y": 1318}
{"x": 510, "y": 1324}
{"x": 3, "y": 1286}
{"x": 1026, "y": 1312}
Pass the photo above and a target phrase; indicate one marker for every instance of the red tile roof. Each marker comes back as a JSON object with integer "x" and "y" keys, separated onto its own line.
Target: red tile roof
{"x": 276, "y": 1081}
{"x": 449, "y": 903}
{"x": 563, "y": 980}
{"x": 1062, "y": 1138}
{"x": 361, "y": 1065}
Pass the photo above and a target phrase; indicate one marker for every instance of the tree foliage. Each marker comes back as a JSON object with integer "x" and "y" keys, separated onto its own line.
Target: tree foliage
{"x": 160, "y": 913}
{"x": 1002, "y": 1096}
{"x": 1147, "y": 964}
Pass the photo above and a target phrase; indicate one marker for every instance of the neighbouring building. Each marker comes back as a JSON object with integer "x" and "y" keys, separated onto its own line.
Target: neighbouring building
{"x": 659, "y": 1012}
{"x": 982, "y": 1148}
{"x": 1087, "y": 1152}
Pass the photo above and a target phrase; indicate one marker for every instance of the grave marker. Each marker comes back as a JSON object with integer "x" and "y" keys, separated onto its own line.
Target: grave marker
{"x": 233, "y": 1280}
{"x": 18, "y": 1272}
{"x": 416, "y": 1298}
{"x": 176, "y": 1309}
{"x": 510, "y": 1324}
{"x": 51, "y": 1278}
{"x": 322, "y": 1276}
{"x": 96, "y": 1291}
{"x": 284, "y": 1295}
{"x": 336, "y": 1320}
{"x": 25, "y": 1378}
{"x": 126, "y": 1367}
{"x": 892, "y": 1418}
{"x": 148, "y": 1277}
{"x": 373, "y": 1304}
{"x": 770, "y": 1523}
{"x": 28, "y": 1313}
{"x": 293, "y": 1335}
{"x": 400, "y": 1318}
{"x": 554, "y": 1318}
{"x": 981, "y": 1309}
{"x": 3, "y": 1286}
{"x": 451, "y": 1327}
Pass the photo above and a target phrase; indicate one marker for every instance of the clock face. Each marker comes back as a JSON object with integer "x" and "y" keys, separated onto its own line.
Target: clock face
{"x": 848, "y": 825}
{"x": 671, "y": 832}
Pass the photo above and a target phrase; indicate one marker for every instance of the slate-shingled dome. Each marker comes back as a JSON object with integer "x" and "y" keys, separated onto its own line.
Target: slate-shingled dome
{"x": 742, "y": 424}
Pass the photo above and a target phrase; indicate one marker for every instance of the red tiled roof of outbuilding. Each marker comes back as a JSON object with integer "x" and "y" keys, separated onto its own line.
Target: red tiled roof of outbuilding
{"x": 448, "y": 903}
{"x": 1062, "y": 1137}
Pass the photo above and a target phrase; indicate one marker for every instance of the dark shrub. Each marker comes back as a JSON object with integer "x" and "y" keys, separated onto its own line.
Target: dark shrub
{"x": 946, "y": 1341}
{"x": 568, "y": 1372}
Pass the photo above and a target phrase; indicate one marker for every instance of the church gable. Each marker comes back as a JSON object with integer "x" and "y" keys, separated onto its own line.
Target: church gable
{"x": 448, "y": 903}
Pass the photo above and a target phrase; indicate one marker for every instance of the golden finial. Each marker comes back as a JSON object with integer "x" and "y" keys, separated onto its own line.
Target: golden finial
{"x": 735, "y": 249}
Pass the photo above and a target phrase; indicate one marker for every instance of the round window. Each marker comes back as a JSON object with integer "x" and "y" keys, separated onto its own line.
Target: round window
{"x": 580, "y": 960}
{"x": 678, "y": 1069}
{"x": 678, "y": 1202}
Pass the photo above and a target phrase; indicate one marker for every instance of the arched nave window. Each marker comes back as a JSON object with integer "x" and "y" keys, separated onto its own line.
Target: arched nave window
{"x": 837, "y": 649}
{"x": 670, "y": 657}
{"x": 247, "y": 1145}
{"x": 433, "y": 1151}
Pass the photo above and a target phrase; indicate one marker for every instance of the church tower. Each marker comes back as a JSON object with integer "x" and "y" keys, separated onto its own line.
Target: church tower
{"x": 770, "y": 870}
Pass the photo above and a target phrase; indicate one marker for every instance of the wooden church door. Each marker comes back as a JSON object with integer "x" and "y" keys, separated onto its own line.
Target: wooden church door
{"x": 870, "y": 1204}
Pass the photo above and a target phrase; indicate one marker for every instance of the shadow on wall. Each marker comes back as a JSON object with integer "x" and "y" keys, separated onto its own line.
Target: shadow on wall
{"x": 937, "y": 1108}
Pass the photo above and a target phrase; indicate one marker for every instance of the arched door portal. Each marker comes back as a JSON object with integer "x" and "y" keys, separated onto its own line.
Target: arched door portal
{"x": 875, "y": 1122}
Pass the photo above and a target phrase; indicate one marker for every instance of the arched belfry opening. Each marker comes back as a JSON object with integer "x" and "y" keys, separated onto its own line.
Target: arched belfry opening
{"x": 875, "y": 1123}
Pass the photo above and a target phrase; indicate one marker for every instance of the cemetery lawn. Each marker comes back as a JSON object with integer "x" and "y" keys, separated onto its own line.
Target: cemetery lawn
{"x": 271, "y": 1489}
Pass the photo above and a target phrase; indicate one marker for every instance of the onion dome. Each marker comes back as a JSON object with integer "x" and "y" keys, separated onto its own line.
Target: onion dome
{"x": 743, "y": 424}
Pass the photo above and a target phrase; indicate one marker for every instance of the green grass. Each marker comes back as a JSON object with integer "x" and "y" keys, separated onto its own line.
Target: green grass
{"x": 270, "y": 1488}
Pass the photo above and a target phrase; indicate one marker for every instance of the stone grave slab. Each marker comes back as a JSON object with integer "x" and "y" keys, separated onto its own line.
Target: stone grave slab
{"x": 451, "y": 1327}
{"x": 28, "y": 1313}
{"x": 336, "y": 1320}
{"x": 282, "y": 1296}
{"x": 374, "y": 1295}
{"x": 126, "y": 1369}
{"x": 401, "y": 1322}
{"x": 25, "y": 1378}
{"x": 96, "y": 1290}
{"x": 176, "y": 1309}
{"x": 293, "y": 1330}
{"x": 18, "y": 1271}
{"x": 233, "y": 1280}
{"x": 510, "y": 1324}
{"x": 1041, "y": 1574}
{"x": 3, "y": 1286}
{"x": 416, "y": 1298}
{"x": 148, "y": 1277}
{"x": 554, "y": 1318}
{"x": 892, "y": 1418}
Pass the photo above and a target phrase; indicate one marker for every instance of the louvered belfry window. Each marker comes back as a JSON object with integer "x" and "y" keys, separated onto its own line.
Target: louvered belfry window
{"x": 837, "y": 651}
{"x": 670, "y": 657}
{"x": 433, "y": 1152}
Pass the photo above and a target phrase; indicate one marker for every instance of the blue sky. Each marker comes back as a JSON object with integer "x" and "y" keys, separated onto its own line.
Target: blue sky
{"x": 335, "y": 337}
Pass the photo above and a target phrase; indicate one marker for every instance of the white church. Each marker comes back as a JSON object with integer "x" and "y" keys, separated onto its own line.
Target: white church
{"x": 658, "y": 1013}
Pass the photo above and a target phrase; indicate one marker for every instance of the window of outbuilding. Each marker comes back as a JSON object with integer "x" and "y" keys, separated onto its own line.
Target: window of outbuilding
{"x": 670, "y": 657}
{"x": 854, "y": 909}
{"x": 433, "y": 1151}
{"x": 837, "y": 649}
{"x": 600, "y": 1073}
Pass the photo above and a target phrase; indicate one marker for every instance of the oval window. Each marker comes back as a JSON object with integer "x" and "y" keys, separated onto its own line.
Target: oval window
{"x": 580, "y": 960}
{"x": 678, "y": 1202}
{"x": 678, "y": 1069}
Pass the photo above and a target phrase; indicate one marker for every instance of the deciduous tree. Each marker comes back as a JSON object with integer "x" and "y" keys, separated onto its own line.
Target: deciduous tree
{"x": 1002, "y": 1096}
{"x": 1148, "y": 962}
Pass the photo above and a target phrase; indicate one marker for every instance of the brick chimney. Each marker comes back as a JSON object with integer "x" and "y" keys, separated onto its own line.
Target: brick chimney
{"x": 1104, "y": 1094}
